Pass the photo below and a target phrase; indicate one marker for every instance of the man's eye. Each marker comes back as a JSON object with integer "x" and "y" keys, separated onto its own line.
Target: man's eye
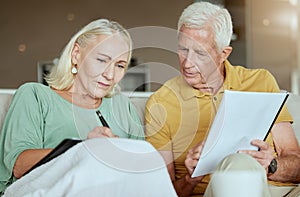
{"x": 183, "y": 49}
{"x": 201, "y": 53}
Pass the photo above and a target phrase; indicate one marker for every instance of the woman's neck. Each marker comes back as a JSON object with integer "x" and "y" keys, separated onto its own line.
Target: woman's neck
{"x": 80, "y": 99}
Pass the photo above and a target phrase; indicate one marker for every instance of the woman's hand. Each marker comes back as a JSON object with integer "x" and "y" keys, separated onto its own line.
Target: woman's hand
{"x": 100, "y": 132}
{"x": 265, "y": 154}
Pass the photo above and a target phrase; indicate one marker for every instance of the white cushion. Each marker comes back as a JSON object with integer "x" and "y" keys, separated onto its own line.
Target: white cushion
{"x": 5, "y": 100}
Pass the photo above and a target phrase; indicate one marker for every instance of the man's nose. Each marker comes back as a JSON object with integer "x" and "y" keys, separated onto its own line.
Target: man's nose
{"x": 189, "y": 61}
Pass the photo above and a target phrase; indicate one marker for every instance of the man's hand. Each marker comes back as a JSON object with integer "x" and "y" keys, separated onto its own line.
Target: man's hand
{"x": 191, "y": 161}
{"x": 265, "y": 154}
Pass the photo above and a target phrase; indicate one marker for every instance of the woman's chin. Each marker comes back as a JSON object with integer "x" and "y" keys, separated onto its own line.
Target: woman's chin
{"x": 100, "y": 93}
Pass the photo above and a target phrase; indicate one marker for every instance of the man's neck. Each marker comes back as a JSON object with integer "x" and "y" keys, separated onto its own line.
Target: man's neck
{"x": 212, "y": 88}
{"x": 215, "y": 85}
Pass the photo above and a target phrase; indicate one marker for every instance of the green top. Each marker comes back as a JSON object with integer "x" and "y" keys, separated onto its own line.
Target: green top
{"x": 39, "y": 118}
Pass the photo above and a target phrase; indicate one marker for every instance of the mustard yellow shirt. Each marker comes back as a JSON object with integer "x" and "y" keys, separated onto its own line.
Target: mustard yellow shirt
{"x": 178, "y": 116}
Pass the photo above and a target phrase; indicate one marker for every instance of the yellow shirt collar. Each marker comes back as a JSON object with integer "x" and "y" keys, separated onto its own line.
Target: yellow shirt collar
{"x": 232, "y": 81}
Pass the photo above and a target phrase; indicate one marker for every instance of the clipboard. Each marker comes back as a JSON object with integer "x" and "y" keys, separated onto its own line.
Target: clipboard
{"x": 279, "y": 110}
{"x": 241, "y": 117}
{"x": 58, "y": 150}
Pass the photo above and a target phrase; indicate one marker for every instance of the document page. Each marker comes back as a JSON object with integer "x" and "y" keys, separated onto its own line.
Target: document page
{"x": 241, "y": 118}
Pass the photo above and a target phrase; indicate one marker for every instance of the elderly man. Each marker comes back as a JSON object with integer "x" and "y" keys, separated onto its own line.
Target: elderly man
{"x": 179, "y": 115}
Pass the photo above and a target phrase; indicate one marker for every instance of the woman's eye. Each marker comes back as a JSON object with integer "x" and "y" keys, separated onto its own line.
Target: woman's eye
{"x": 120, "y": 65}
{"x": 101, "y": 60}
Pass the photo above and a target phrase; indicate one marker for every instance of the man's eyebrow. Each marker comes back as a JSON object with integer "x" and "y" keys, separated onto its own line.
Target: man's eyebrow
{"x": 181, "y": 46}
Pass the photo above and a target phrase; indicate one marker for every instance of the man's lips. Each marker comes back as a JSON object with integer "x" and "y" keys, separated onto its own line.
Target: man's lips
{"x": 194, "y": 75}
{"x": 189, "y": 74}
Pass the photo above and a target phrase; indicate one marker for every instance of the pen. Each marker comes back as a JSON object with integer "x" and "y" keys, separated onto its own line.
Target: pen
{"x": 104, "y": 123}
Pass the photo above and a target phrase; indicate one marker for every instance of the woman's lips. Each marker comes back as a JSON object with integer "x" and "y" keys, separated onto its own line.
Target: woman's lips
{"x": 103, "y": 85}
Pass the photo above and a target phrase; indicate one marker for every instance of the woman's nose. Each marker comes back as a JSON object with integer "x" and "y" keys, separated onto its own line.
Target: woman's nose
{"x": 109, "y": 72}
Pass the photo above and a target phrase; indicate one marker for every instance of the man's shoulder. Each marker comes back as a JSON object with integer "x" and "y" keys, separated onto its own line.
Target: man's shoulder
{"x": 168, "y": 89}
{"x": 251, "y": 79}
{"x": 250, "y": 72}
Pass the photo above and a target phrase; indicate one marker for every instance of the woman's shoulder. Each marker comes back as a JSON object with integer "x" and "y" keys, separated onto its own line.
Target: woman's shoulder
{"x": 32, "y": 86}
{"x": 118, "y": 101}
{"x": 33, "y": 89}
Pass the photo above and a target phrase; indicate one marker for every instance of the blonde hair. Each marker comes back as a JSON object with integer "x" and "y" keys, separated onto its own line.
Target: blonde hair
{"x": 60, "y": 76}
{"x": 201, "y": 14}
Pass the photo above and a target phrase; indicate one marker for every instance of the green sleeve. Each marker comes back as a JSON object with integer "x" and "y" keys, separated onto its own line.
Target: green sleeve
{"x": 22, "y": 129}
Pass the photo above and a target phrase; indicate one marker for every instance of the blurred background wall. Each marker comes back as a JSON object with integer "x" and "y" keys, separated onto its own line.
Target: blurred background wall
{"x": 33, "y": 31}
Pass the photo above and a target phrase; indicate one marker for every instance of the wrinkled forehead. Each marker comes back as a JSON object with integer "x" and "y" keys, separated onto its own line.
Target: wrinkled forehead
{"x": 192, "y": 32}
{"x": 113, "y": 45}
{"x": 195, "y": 37}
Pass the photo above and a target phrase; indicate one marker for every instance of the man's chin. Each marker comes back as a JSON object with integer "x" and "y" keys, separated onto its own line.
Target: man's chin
{"x": 194, "y": 82}
{"x": 203, "y": 87}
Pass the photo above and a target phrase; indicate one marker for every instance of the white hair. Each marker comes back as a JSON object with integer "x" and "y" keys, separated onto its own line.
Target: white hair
{"x": 201, "y": 14}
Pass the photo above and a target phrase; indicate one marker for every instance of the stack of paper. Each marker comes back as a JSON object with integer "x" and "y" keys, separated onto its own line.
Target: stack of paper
{"x": 241, "y": 118}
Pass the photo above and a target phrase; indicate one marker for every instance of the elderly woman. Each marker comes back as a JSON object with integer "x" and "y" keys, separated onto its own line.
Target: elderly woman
{"x": 83, "y": 82}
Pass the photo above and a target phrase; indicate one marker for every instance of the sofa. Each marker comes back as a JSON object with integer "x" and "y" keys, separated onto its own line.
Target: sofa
{"x": 140, "y": 99}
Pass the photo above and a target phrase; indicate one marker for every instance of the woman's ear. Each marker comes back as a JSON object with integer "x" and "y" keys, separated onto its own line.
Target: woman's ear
{"x": 225, "y": 53}
{"x": 75, "y": 53}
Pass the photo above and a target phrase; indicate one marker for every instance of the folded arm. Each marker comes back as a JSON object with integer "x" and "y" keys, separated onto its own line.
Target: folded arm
{"x": 27, "y": 159}
{"x": 30, "y": 157}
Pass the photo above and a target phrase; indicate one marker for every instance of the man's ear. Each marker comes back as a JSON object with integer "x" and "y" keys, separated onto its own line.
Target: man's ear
{"x": 75, "y": 53}
{"x": 225, "y": 53}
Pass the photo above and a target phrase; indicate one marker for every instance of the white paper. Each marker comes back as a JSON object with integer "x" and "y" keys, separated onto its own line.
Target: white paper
{"x": 241, "y": 118}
